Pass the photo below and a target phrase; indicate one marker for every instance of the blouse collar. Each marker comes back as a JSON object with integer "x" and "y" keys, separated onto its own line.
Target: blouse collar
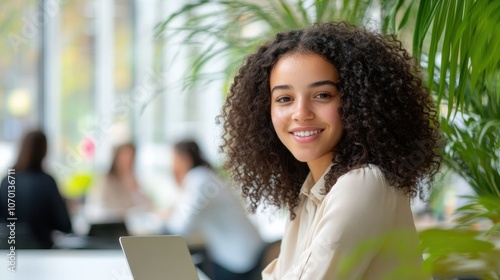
{"x": 315, "y": 191}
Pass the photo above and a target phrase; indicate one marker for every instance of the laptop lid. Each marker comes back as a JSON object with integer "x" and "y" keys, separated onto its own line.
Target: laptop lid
{"x": 158, "y": 257}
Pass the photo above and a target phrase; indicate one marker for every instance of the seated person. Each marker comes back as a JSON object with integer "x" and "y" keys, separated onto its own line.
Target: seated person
{"x": 117, "y": 192}
{"x": 39, "y": 207}
{"x": 207, "y": 206}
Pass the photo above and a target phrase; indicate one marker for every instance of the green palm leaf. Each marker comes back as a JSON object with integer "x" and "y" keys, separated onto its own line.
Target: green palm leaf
{"x": 463, "y": 34}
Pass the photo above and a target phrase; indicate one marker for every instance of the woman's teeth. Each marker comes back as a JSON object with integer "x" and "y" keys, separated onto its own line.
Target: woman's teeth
{"x": 306, "y": 133}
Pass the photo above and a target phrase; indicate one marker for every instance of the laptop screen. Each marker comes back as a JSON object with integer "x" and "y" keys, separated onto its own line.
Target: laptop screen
{"x": 158, "y": 257}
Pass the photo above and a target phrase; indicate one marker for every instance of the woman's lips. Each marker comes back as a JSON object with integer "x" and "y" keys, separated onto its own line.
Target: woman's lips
{"x": 306, "y": 136}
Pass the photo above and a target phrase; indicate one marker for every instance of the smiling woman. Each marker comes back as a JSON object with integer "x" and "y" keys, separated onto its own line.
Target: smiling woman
{"x": 333, "y": 122}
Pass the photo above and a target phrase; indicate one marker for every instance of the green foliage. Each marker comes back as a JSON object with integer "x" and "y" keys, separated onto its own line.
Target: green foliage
{"x": 457, "y": 38}
{"x": 230, "y": 30}
{"x": 462, "y": 38}
{"x": 455, "y": 252}
{"x": 400, "y": 243}
{"x": 481, "y": 208}
{"x": 472, "y": 152}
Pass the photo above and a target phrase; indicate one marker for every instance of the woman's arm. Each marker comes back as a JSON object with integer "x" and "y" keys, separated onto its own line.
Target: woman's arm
{"x": 187, "y": 214}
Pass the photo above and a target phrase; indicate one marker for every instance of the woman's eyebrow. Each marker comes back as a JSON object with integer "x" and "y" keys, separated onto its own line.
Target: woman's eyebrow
{"x": 313, "y": 85}
{"x": 322, "y": 83}
{"x": 280, "y": 87}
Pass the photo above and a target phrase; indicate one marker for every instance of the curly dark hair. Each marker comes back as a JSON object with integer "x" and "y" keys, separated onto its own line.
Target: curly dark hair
{"x": 389, "y": 116}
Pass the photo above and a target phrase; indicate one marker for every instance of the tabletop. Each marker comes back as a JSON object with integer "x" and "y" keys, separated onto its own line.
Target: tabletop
{"x": 68, "y": 264}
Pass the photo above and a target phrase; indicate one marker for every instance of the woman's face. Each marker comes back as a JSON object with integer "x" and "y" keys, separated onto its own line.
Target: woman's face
{"x": 182, "y": 164}
{"x": 305, "y": 106}
{"x": 125, "y": 160}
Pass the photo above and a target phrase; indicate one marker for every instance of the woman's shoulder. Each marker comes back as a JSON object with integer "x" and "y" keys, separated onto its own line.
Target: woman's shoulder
{"x": 365, "y": 186}
{"x": 365, "y": 178}
{"x": 201, "y": 176}
{"x": 200, "y": 170}
{"x": 366, "y": 170}
{"x": 200, "y": 173}
{"x": 32, "y": 179}
{"x": 39, "y": 175}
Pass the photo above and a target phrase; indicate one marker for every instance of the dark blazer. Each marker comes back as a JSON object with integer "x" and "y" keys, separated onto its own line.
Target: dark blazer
{"x": 39, "y": 209}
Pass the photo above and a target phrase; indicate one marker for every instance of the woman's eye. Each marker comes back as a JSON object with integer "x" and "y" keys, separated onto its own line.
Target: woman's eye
{"x": 323, "y": 95}
{"x": 283, "y": 99}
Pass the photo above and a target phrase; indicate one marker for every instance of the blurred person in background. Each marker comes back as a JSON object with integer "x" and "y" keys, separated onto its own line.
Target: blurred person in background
{"x": 116, "y": 192}
{"x": 39, "y": 207}
{"x": 206, "y": 206}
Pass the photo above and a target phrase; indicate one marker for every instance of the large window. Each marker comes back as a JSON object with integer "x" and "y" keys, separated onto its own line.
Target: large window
{"x": 91, "y": 74}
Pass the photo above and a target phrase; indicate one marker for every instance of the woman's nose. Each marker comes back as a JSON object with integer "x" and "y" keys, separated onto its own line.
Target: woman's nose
{"x": 302, "y": 110}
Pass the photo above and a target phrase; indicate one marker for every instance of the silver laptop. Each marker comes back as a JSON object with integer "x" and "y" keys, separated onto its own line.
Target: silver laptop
{"x": 158, "y": 257}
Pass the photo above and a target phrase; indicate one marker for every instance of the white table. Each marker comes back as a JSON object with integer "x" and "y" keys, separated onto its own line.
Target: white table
{"x": 68, "y": 264}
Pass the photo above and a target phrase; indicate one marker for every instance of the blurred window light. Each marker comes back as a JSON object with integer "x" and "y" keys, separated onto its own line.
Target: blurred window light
{"x": 19, "y": 37}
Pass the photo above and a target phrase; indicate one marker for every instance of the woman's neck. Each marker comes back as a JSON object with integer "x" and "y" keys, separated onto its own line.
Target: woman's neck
{"x": 319, "y": 166}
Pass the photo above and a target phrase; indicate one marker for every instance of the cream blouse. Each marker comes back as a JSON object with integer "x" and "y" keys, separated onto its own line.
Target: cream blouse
{"x": 361, "y": 229}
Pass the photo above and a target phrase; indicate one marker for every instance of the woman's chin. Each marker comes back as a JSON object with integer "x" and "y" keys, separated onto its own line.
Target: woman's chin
{"x": 302, "y": 158}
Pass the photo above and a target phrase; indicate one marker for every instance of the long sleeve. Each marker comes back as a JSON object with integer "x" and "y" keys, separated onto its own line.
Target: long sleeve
{"x": 341, "y": 236}
{"x": 208, "y": 207}
{"x": 188, "y": 211}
